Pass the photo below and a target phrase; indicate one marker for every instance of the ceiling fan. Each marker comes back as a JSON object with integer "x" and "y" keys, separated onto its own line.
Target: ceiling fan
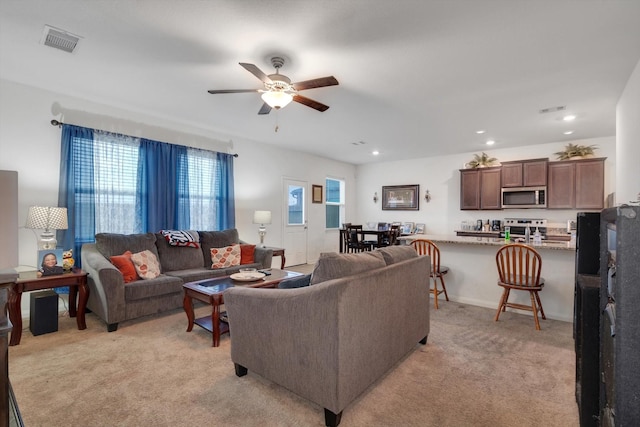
{"x": 279, "y": 91}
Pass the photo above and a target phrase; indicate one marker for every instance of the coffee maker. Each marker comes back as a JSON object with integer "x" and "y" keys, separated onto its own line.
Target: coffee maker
{"x": 496, "y": 225}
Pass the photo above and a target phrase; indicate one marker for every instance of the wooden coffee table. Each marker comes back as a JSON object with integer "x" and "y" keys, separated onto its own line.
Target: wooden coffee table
{"x": 210, "y": 291}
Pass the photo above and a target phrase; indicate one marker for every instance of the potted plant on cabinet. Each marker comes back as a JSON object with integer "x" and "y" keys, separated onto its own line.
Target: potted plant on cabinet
{"x": 576, "y": 151}
{"x": 481, "y": 161}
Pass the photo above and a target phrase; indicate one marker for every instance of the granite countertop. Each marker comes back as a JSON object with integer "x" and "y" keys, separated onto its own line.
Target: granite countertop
{"x": 486, "y": 241}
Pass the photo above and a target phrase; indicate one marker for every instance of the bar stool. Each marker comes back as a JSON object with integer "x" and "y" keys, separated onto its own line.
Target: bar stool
{"x": 519, "y": 268}
{"x": 427, "y": 247}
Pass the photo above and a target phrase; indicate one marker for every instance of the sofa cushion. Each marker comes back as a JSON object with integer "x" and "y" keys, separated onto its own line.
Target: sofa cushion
{"x": 110, "y": 244}
{"x": 161, "y": 285}
{"x": 146, "y": 264}
{"x": 393, "y": 254}
{"x": 216, "y": 239}
{"x": 247, "y": 252}
{"x": 332, "y": 265}
{"x": 125, "y": 265}
{"x": 296, "y": 282}
{"x": 177, "y": 257}
{"x": 188, "y": 238}
{"x": 225, "y": 257}
{"x": 195, "y": 274}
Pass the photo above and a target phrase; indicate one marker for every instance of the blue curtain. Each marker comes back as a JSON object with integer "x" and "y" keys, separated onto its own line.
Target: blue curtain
{"x": 76, "y": 188}
{"x": 226, "y": 209}
{"x": 163, "y": 176}
{"x": 163, "y": 190}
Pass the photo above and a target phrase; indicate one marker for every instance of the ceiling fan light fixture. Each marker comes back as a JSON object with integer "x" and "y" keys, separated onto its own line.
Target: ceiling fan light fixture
{"x": 277, "y": 99}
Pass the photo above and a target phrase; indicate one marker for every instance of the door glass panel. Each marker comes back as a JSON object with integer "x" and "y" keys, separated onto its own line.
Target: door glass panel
{"x": 295, "y": 213}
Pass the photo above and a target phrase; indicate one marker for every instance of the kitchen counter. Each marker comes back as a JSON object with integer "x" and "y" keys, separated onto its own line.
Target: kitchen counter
{"x": 488, "y": 241}
{"x": 473, "y": 275}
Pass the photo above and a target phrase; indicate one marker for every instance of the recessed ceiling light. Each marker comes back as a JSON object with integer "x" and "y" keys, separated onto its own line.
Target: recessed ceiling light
{"x": 375, "y": 153}
{"x": 480, "y": 132}
{"x": 569, "y": 132}
{"x": 569, "y": 118}
{"x": 490, "y": 142}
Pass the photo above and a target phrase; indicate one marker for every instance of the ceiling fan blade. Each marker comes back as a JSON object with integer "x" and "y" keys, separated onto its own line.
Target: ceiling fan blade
{"x": 310, "y": 103}
{"x": 256, "y": 72}
{"x": 265, "y": 109}
{"x": 212, "y": 91}
{"x": 320, "y": 82}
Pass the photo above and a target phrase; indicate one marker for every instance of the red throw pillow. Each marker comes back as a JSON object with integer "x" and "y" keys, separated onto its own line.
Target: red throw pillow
{"x": 246, "y": 253}
{"x": 125, "y": 265}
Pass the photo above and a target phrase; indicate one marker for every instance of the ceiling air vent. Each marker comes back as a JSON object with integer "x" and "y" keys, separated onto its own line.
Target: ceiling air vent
{"x": 59, "y": 39}
{"x": 552, "y": 109}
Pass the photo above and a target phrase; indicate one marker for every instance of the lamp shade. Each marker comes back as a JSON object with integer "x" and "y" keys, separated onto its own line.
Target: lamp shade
{"x": 262, "y": 217}
{"x": 47, "y": 218}
{"x": 277, "y": 99}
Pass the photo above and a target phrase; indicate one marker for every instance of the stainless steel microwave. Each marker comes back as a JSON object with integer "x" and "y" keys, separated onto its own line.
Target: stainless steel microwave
{"x": 524, "y": 197}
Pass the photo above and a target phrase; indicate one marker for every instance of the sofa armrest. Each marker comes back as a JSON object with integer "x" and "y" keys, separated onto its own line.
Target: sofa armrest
{"x": 263, "y": 256}
{"x": 106, "y": 285}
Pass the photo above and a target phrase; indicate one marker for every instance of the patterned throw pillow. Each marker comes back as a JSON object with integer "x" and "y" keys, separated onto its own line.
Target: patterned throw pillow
{"x": 247, "y": 252}
{"x": 225, "y": 257}
{"x": 125, "y": 265}
{"x": 189, "y": 238}
{"x": 146, "y": 264}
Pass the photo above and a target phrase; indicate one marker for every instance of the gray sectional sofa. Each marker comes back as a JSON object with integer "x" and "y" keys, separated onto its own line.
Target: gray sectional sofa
{"x": 114, "y": 301}
{"x": 329, "y": 341}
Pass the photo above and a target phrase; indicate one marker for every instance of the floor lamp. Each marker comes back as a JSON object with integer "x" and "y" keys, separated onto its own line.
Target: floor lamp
{"x": 262, "y": 218}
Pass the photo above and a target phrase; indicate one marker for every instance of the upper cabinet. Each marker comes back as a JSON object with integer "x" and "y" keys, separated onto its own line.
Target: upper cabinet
{"x": 480, "y": 188}
{"x": 525, "y": 173}
{"x": 576, "y": 184}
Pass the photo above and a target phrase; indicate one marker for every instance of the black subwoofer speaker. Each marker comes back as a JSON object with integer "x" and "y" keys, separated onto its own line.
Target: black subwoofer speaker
{"x": 43, "y": 315}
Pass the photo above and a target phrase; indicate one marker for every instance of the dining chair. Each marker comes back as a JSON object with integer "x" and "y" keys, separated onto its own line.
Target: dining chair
{"x": 519, "y": 268}
{"x": 354, "y": 239}
{"x": 427, "y": 247}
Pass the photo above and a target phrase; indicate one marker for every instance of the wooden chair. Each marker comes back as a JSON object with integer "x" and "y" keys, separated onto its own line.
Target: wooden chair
{"x": 354, "y": 239}
{"x": 427, "y": 247}
{"x": 519, "y": 268}
{"x": 391, "y": 237}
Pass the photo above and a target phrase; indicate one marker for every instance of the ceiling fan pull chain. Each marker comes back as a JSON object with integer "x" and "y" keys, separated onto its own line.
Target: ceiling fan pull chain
{"x": 277, "y": 127}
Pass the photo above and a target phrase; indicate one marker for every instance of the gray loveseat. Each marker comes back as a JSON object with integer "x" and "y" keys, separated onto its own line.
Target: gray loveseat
{"x": 329, "y": 341}
{"x": 114, "y": 301}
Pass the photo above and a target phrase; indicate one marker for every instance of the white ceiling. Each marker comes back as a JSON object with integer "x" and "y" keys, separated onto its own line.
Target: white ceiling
{"x": 417, "y": 78}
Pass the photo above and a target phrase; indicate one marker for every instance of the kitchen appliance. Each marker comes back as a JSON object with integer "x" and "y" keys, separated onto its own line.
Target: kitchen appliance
{"x": 524, "y": 197}
{"x": 518, "y": 226}
{"x": 496, "y": 225}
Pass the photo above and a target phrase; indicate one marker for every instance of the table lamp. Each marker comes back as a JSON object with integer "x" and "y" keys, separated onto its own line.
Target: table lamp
{"x": 47, "y": 219}
{"x": 262, "y": 218}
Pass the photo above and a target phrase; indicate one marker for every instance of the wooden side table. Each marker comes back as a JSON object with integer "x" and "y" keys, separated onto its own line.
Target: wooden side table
{"x": 28, "y": 281}
{"x": 279, "y": 252}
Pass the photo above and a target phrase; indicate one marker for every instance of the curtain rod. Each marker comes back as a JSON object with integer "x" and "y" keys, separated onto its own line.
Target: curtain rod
{"x": 54, "y": 122}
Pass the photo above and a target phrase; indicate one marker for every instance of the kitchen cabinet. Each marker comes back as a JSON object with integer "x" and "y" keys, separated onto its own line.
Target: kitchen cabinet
{"x": 480, "y": 188}
{"x": 576, "y": 184}
{"x": 525, "y": 173}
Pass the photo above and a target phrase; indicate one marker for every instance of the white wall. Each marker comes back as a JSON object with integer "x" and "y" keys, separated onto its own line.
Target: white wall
{"x": 442, "y": 177}
{"x": 628, "y": 143}
{"x": 31, "y": 146}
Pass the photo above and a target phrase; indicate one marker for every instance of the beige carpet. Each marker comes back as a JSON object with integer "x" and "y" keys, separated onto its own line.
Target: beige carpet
{"x": 472, "y": 372}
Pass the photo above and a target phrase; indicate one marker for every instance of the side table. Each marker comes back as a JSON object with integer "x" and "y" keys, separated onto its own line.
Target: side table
{"x": 28, "y": 281}
{"x": 279, "y": 252}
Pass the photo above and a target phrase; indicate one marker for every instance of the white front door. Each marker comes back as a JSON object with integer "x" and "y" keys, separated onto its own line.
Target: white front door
{"x": 295, "y": 221}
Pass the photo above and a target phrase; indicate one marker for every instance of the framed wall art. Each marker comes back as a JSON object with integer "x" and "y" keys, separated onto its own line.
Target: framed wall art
{"x": 400, "y": 197}
{"x": 316, "y": 193}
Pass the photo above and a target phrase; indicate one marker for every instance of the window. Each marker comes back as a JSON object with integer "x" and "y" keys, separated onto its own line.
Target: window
{"x": 121, "y": 184}
{"x": 334, "y": 202}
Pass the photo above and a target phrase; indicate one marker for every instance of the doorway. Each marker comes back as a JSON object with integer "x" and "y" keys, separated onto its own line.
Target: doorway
{"x": 295, "y": 221}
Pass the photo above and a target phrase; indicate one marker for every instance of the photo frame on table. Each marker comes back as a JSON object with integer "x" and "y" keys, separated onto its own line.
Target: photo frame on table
{"x": 46, "y": 269}
{"x": 316, "y": 193}
{"x": 420, "y": 228}
{"x": 400, "y": 197}
{"x": 407, "y": 228}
